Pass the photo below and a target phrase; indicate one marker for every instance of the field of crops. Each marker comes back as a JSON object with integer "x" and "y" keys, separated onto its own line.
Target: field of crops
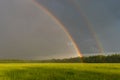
{"x": 59, "y": 71}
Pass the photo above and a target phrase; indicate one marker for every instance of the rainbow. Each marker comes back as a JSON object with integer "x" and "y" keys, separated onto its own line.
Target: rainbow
{"x": 61, "y": 25}
{"x": 89, "y": 25}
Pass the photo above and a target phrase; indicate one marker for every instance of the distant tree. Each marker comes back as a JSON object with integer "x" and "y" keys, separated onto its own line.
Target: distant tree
{"x": 114, "y": 58}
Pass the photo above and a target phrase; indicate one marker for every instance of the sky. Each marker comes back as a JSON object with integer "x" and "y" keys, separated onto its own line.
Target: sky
{"x": 93, "y": 24}
{"x": 28, "y": 32}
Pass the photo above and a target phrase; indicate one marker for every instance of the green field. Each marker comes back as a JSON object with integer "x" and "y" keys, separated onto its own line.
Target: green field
{"x": 59, "y": 71}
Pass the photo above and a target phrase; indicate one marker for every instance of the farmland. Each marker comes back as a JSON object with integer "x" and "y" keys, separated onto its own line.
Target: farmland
{"x": 59, "y": 71}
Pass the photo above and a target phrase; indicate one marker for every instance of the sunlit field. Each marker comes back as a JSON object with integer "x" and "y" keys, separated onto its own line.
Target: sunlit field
{"x": 59, "y": 71}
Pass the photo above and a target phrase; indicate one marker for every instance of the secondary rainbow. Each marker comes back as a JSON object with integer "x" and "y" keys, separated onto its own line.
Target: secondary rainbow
{"x": 89, "y": 25}
{"x": 61, "y": 25}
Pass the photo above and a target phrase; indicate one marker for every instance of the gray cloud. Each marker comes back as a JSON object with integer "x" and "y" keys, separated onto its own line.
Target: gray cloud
{"x": 102, "y": 14}
{"x": 27, "y": 32}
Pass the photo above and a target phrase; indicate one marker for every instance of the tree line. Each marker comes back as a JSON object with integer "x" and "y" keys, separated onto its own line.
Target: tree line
{"x": 114, "y": 58}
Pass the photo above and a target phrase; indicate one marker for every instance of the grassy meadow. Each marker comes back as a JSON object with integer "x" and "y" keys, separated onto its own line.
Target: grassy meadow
{"x": 59, "y": 71}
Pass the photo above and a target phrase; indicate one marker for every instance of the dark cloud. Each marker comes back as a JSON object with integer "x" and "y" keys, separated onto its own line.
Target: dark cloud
{"x": 102, "y": 15}
{"x": 27, "y": 32}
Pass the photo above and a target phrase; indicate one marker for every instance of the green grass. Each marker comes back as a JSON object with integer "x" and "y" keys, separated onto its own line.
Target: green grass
{"x": 59, "y": 71}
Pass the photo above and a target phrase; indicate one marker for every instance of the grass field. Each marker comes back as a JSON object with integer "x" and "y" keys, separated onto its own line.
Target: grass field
{"x": 59, "y": 71}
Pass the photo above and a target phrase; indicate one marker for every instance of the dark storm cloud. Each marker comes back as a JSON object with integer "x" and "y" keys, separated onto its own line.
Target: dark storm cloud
{"x": 70, "y": 16}
{"x": 27, "y": 32}
{"x": 102, "y": 14}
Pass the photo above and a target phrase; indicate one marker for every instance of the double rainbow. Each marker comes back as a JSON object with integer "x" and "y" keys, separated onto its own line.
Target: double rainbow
{"x": 86, "y": 20}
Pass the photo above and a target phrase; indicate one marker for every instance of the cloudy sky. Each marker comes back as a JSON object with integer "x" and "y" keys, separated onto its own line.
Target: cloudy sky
{"x": 28, "y": 32}
{"x": 86, "y": 19}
